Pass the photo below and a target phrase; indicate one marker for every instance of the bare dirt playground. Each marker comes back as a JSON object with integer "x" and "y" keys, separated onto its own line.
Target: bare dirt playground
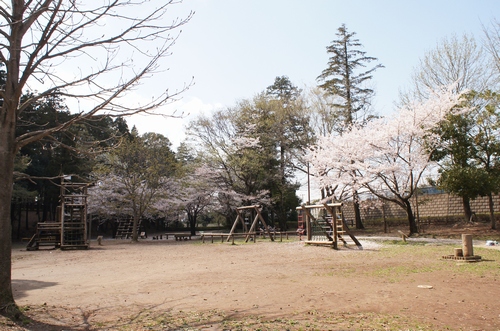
{"x": 190, "y": 285}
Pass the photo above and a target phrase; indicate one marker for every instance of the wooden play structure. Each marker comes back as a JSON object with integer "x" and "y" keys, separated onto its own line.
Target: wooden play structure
{"x": 70, "y": 231}
{"x": 324, "y": 225}
{"x": 258, "y": 227}
{"x": 125, "y": 229}
{"x": 240, "y": 218}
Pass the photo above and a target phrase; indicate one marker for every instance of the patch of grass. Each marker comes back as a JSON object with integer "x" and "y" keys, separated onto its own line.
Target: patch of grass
{"x": 404, "y": 243}
{"x": 396, "y": 273}
{"x": 412, "y": 258}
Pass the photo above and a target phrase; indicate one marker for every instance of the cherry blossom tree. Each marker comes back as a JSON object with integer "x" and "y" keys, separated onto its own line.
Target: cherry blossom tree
{"x": 220, "y": 175}
{"x": 134, "y": 178}
{"x": 389, "y": 156}
{"x": 195, "y": 193}
{"x": 228, "y": 145}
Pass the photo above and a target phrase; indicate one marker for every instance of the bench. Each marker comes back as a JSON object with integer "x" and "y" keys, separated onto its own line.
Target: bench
{"x": 224, "y": 236}
{"x": 182, "y": 236}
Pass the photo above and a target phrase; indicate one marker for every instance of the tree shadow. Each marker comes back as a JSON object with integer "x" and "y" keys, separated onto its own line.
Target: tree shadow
{"x": 166, "y": 316}
{"x": 20, "y": 287}
{"x": 15, "y": 319}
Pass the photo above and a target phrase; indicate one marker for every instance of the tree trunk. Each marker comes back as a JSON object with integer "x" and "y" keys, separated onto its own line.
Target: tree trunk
{"x": 492, "y": 211}
{"x": 8, "y": 149}
{"x": 6, "y": 169}
{"x": 19, "y": 215}
{"x": 192, "y": 223}
{"x": 357, "y": 211}
{"x": 135, "y": 230}
{"x": 411, "y": 218}
{"x": 467, "y": 209}
{"x": 282, "y": 218}
{"x": 385, "y": 219}
{"x": 46, "y": 204}
{"x": 27, "y": 214}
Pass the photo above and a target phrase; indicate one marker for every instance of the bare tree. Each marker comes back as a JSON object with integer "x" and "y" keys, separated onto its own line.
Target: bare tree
{"x": 492, "y": 43}
{"x": 91, "y": 53}
{"x": 457, "y": 60}
{"x": 463, "y": 63}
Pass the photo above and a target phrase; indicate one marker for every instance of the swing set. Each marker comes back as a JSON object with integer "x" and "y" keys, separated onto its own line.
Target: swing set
{"x": 249, "y": 230}
{"x": 240, "y": 211}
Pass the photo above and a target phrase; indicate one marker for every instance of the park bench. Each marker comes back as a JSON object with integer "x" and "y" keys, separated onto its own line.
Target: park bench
{"x": 224, "y": 236}
{"x": 182, "y": 236}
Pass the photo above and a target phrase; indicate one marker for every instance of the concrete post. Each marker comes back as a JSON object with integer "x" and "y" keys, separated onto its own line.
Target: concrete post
{"x": 467, "y": 248}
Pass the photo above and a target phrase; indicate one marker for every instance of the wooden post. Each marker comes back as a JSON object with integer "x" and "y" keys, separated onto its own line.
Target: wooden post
{"x": 253, "y": 226}
{"x": 238, "y": 217}
{"x": 458, "y": 252}
{"x": 308, "y": 223}
{"x": 259, "y": 215}
{"x": 333, "y": 212}
{"x": 467, "y": 248}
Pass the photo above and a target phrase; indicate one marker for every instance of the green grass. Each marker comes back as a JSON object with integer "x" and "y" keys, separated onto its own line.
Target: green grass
{"x": 413, "y": 258}
{"x": 402, "y": 260}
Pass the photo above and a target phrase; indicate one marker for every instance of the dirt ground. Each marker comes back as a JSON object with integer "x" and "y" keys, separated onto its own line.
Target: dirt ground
{"x": 190, "y": 285}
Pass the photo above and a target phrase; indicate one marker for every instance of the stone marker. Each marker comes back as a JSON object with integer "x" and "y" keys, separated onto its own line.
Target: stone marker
{"x": 467, "y": 248}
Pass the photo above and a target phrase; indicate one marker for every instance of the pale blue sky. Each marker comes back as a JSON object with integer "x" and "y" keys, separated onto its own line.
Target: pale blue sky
{"x": 235, "y": 48}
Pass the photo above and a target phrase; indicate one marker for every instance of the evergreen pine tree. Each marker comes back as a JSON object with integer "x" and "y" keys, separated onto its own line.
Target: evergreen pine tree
{"x": 345, "y": 79}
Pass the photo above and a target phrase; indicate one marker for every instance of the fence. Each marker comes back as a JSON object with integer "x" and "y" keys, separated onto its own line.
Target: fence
{"x": 429, "y": 206}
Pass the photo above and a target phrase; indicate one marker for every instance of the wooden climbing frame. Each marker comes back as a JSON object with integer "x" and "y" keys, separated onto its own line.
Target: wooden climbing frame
{"x": 328, "y": 228}
{"x": 71, "y": 230}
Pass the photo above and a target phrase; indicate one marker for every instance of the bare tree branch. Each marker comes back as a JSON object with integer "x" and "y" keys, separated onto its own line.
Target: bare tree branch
{"x": 92, "y": 54}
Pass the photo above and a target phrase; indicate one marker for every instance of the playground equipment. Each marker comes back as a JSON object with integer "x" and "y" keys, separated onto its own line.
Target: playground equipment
{"x": 71, "y": 228}
{"x": 125, "y": 229}
{"x": 248, "y": 232}
{"x": 324, "y": 225}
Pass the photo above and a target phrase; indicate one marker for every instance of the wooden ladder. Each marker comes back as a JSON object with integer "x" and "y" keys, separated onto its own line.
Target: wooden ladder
{"x": 125, "y": 228}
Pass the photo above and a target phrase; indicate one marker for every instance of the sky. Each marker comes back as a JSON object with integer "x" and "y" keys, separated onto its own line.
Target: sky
{"x": 234, "y": 49}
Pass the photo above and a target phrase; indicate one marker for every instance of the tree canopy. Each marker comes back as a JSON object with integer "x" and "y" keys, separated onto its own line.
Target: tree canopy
{"x": 134, "y": 179}
{"x": 388, "y": 156}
